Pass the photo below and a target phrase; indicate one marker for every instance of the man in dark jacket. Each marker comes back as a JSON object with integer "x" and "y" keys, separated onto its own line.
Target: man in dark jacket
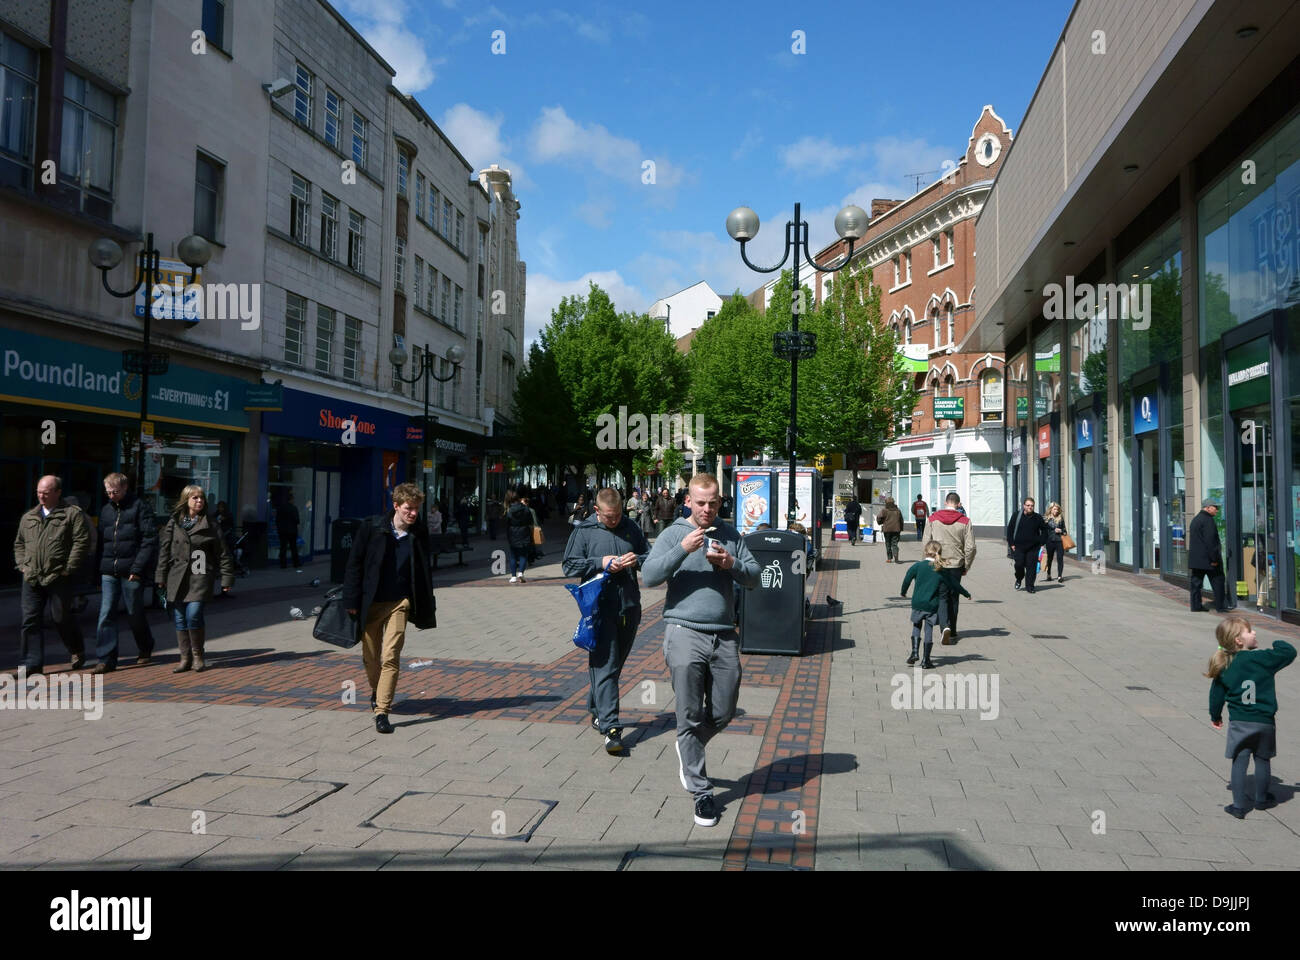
{"x": 286, "y": 525}
{"x": 890, "y": 519}
{"x": 852, "y": 514}
{"x": 462, "y": 519}
{"x": 128, "y": 539}
{"x": 1026, "y": 534}
{"x": 1205, "y": 556}
{"x": 608, "y": 539}
{"x": 52, "y": 544}
{"x": 386, "y": 586}
{"x": 665, "y": 511}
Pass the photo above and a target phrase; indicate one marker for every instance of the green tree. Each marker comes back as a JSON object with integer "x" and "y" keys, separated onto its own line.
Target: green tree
{"x": 546, "y": 426}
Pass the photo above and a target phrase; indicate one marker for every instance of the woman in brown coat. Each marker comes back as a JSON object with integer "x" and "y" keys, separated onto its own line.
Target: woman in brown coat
{"x": 190, "y": 551}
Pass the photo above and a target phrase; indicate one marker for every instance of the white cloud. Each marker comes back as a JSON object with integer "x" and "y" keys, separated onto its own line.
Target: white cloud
{"x": 545, "y": 294}
{"x": 818, "y": 155}
{"x": 386, "y": 25}
{"x": 557, "y": 137}
{"x": 477, "y": 135}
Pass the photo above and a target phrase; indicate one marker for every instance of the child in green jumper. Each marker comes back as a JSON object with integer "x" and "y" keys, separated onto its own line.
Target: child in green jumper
{"x": 1242, "y": 676}
{"x": 933, "y": 584}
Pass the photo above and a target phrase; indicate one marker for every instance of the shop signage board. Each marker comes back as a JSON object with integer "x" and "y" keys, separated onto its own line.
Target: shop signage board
{"x": 1044, "y": 442}
{"x": 163, "y": 301}
{"x": 1146, "y": 412}
{"x": 1083, "y": 429}
{"x": 264, "y": 396}
{"x": 949, "y": 408}
{"x": 314, "y": 417}
{"x": 1022, "y": 408}
{"x": 1248, "y": 374}
{"x": 67, "y": 375}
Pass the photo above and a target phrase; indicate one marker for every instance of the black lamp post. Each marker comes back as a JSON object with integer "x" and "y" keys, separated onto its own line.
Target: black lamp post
{"x": 742, "y": 224}
{"x": 397, "y": 357}
{"x": 106, "y": 255}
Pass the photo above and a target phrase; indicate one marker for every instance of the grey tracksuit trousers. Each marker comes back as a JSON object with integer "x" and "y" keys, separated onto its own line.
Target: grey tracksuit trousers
{"x": 705, "y": 669}
{"x": 605, "y": 663}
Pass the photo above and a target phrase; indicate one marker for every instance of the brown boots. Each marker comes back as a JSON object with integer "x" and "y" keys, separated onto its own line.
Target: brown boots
{"x": 196, "y": 642}
{"x": 183, "y": 644}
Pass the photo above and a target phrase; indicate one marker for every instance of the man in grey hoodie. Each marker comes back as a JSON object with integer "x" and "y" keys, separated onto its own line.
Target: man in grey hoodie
{"x": 701, "y": 559}
{"x": 609, "y": 539}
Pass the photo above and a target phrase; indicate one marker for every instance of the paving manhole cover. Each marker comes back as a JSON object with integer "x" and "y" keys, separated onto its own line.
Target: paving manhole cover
{"x": 463, "y": 815}
{"x": 233, "y": 793}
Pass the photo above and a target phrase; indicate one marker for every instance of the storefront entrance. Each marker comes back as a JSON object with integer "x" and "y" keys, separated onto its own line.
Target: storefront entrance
{"x": 1256, "y": 508}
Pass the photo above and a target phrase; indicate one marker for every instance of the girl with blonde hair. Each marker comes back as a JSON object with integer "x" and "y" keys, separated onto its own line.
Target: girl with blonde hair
{"x": 1054, "y": 518}
{"x": 933, "y": 583}
{"x": 1241, "y": 675}
{"x": 191, "y": 551}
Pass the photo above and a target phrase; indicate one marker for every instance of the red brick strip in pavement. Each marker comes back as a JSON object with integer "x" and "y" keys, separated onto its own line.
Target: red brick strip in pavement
{"x": 787, "y": 779}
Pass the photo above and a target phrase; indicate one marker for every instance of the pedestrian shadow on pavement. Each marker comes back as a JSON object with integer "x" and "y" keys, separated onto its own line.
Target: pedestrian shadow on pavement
{"x": 993, "y": 632}
{"x": 829, "y": 564}
{"x": 785, "y": 774}
{"x": 899, "y": 851}
{"x": 947, "y": 660}
{"x": 986, "y": 601}
{"x": 253, "y": 657}
{"x": 445, "y": 708}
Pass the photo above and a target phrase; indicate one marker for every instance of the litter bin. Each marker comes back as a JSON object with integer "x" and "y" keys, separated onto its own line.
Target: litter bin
{"x": 345, "y": 528}
{"x": 772, "y": 614}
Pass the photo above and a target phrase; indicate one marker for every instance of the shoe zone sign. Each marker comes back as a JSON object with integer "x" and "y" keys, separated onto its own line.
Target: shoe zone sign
{"x": 1146, "y": 413}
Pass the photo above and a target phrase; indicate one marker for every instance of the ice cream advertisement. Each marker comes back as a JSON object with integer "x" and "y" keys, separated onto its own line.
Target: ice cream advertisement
{"x": 753, "y": 500}
{"x": 803, "y": 502}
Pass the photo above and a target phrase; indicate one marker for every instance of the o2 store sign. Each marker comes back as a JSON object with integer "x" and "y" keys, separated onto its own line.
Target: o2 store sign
{"x": 1146, "y": 413}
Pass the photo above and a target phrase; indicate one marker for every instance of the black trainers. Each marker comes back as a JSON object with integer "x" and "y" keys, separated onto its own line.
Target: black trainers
{"x": 706, "y": 812}
{"x": 381, "y": 723}
{"x": 1237, "y": 812}
{"x": 595, "y": 723}
{"x": 1268, "y": 803}
{"x": 614, "y": 741}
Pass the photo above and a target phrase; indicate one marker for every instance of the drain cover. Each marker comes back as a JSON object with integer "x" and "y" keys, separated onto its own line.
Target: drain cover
{"x": 234, "y": 793}
{"x": 463, "y": 815}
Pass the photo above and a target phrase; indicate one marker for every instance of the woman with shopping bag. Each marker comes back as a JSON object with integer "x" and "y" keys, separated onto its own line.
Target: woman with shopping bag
{"x": 1056, "y": 538}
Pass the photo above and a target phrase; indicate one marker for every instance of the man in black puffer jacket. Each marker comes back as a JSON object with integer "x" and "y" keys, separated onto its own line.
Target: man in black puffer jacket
{"x": 128, "y": 539}
{"x": 1026, "y": 534}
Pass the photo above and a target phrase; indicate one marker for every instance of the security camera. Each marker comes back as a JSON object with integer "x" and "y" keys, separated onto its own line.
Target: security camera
{"x": 278, "y": 88}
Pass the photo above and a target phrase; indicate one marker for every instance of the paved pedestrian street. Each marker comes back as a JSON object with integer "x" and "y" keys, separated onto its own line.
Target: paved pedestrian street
{"x": 1092, "y": 752}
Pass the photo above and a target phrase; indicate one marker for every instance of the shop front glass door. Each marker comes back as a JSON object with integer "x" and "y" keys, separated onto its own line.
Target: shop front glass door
{"x": 324, "y": 508}
{"x": 1149, "y": 510}
{"x": 1257, "y": 519}
{"x": 1084, "y": 534}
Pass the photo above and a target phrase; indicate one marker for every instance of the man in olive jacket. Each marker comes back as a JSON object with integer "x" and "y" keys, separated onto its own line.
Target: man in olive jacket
{"x": 52, "y": 544}
{"x": 609, "y": 539}
{"x": 386, "y": 586}
{"x": 1205, "y": 556}
{"x": 890, "y": 519}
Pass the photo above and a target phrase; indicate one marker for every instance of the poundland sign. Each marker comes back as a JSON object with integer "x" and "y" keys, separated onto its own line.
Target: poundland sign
{"x": 64, "y": 375}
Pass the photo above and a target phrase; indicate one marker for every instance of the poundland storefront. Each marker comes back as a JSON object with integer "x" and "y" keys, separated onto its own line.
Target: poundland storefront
{"x": 68, "y": 408}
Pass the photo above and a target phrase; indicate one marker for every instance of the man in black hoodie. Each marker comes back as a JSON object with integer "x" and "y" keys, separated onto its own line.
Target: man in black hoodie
{"x": 1026, "y": 534}
{"x": 607, "y": 539}
{"x": 128, "y": 539}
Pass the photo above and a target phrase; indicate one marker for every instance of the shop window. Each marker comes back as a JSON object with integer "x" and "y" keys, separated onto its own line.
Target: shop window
{"x": 209, "y": 181}
{"x": 295, "y": 323}
{"x": 324, "y": 339}
{"x": 18, "y": 69}
{"x": 360, "y": 139}
{"x": 329, "y": 227}
{"x": 299, "y": 209}
{"x": 356, "y": 241}
{"x": 351, "y": 348}
{"x": 89, "y": 139}
{"x": 303, "y": 81}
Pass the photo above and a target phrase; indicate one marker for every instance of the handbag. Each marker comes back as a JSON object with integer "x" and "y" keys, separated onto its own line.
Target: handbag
{"x": 587, "y": 596}
{"x": 334, "y": 624}
{"x": 1067, "y": 541}
{"x": 538, "y": 538}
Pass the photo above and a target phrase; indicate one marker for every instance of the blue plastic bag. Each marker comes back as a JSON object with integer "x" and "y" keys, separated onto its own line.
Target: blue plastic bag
{"x": 588, "y": 597}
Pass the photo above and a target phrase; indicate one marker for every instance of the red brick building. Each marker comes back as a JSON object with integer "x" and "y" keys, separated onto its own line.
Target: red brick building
{"x": 922, "y": 252}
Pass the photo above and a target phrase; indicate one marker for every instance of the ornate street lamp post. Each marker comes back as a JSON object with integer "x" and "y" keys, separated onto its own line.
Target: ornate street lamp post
{"x": 742, "y": 224}
{"x": 106, "y": 255}
{"x": 397, "y": 357}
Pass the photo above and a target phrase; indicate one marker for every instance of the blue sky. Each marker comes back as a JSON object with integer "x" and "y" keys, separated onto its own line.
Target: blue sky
{"x": 716, "y": 96}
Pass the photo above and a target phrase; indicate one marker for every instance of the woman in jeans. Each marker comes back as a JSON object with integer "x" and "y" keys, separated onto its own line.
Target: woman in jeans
{"x": 191, "y": 551}
{"x": 519, "y": 536}
{"x": 1055, "y": 520}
